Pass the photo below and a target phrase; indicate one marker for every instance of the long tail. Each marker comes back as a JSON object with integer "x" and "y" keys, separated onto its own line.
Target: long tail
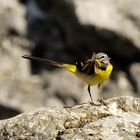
{"x": 70, "y": 67}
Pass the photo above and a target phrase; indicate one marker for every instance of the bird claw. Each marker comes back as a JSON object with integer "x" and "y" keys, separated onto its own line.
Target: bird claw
{"x": 102, "y": 102}
{"x": 95, "y": 104}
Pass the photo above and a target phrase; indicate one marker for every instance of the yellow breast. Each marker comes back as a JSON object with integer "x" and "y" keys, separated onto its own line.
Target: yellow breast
{"x": 97, "y": 78}
{"x": 102, "y": 75}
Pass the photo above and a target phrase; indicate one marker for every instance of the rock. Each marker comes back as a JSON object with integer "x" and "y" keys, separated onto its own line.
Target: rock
{"x": 59, "y": 30}
{"x": 16, "y": 82}
{"x": 120, "y": 119}
{"x": 126, "y": 17}
{"x": 19, "y": 90}
{"x": 12, "y": 15}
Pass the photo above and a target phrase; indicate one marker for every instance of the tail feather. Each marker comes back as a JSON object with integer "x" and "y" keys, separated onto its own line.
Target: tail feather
{"x": 70, "y": 67}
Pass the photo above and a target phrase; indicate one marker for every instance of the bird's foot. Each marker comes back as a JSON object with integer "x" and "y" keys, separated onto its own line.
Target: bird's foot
{"x": 102, "y": 102}
{"x": 95, "y": 104}
{"x": 99, "y": 103}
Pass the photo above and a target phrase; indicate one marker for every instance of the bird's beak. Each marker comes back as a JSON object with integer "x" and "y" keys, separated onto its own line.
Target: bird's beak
{"x": 97, "y": 63}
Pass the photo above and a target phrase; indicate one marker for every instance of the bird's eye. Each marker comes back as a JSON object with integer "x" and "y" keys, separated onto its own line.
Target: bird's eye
{"x": 102, "y": 56}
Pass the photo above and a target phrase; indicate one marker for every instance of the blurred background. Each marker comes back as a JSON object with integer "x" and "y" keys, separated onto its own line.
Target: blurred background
{"x": 66, "y": 31}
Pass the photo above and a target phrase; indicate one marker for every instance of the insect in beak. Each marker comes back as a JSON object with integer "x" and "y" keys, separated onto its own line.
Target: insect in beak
{"x": 97, "y": 63}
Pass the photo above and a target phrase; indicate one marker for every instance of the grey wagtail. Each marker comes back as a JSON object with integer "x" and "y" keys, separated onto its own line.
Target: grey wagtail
{"x": 94, "y": 71}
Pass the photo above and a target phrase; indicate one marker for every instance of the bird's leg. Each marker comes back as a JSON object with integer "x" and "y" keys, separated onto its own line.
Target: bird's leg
{"x": 90, "y": 93}
{"x": 92, "y": 103}
{"x": 101, "y": 96}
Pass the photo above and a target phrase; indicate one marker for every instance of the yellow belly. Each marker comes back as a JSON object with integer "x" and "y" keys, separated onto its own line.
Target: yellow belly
{"x": 97, "y": 78}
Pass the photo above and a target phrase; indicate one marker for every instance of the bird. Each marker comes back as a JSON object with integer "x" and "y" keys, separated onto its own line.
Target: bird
{"x": 93, "y": 71}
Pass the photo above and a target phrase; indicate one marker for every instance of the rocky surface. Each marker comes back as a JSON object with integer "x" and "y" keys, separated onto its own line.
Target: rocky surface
{"x": 120, "y": 119}
{"x": 63, "y": 31}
